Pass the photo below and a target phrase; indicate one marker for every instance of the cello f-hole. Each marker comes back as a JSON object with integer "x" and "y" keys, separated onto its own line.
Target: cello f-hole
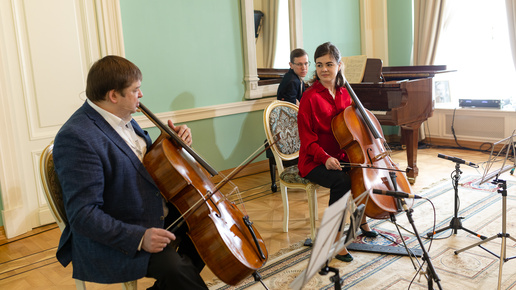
{"x": 369, "y": 155}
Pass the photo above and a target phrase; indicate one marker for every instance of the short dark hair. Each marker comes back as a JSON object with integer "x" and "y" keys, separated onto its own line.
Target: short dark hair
{"x": 111, "y": 72}
{"x": 333, "y": 51}
{"x": 298, "y": 52}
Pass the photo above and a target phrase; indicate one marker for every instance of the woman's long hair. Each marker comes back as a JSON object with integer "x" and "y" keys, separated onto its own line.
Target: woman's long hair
{"x": 333, "y": 51}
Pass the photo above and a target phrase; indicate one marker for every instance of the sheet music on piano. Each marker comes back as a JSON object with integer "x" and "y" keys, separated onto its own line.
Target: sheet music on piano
{"x": 354, "y": 68}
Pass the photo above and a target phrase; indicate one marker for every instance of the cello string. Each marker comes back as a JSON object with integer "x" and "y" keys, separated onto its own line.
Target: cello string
{"x": 224, "y": 181}
{"x": 241, "y": 164}
{"x": 182, "y": 218}
{"x": 235, "y": 188}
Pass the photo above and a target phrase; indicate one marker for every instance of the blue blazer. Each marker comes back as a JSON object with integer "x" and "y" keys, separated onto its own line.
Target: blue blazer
{"x": 290, "y": 89}
{"x": 110, "y": 200}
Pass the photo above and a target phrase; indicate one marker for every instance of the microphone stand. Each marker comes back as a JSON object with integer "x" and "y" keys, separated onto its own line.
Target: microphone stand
{"x": 455, "y": 223}
{"x": 432, "y": 274}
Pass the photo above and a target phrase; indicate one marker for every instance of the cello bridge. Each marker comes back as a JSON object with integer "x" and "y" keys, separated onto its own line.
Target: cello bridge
{"x": 380, "y": 156}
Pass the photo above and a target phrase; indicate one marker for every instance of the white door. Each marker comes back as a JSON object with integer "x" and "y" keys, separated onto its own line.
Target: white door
{"x": 46, "y": 50}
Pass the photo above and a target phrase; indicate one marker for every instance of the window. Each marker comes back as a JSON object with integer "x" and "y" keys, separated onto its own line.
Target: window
{"x": 475, "y": 42}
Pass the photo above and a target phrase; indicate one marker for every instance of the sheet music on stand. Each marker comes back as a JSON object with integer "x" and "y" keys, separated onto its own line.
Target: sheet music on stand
{"x": 329, "y": 240}
{"x": 495, "y": 157}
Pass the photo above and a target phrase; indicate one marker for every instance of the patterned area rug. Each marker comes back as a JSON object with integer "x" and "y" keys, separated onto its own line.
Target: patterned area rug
{"x": 473, "y": 268}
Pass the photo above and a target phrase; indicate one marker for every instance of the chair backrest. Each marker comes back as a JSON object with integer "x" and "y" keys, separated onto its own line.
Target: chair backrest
{"x": 281, "y": 117}
{"x": 51, "y": 186}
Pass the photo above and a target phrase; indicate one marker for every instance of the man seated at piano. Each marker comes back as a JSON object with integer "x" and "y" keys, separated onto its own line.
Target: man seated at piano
{"x": 320, "y": 154}
{"x": 292, "y": 85}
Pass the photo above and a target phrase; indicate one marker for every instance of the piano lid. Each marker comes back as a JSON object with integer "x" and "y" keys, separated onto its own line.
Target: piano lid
{"x": 374, "y": 71}
{"x": 413, "y": 72}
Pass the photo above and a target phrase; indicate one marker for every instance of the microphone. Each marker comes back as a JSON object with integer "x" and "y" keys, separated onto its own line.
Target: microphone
{"x": 398, "y": 194}
{"x": 457, "y": 160}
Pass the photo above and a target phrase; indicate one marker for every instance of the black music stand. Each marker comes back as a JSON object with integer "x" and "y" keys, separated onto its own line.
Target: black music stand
{"x": 455, "y": 223}
{"x": 332, "y": 237}
{"x": 508, "y": 146}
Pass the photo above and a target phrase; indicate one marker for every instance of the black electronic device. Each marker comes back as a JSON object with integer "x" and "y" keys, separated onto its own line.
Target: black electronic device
{"x": 480, "y": 103}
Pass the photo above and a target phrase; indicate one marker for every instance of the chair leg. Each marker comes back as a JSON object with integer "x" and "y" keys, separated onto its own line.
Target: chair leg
{"x": 316, "y": 207}
{"x": 272, "y": 168}
{"x": 80, "y": 285}
{"x": 284, "y": 197}
{"x": 131, "y": 285}
{"x": 312, "y": 207}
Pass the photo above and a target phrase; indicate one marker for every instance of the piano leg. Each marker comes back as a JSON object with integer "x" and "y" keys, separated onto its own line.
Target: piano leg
{"x": 410, "y": 135}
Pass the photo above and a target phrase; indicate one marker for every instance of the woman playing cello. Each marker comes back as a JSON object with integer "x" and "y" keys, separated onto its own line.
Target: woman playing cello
{"x": 320, "y": 154}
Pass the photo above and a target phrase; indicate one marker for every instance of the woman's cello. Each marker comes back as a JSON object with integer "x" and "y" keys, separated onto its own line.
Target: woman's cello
{"x": 359, "y": 133}
{"x": 223, "y": 236}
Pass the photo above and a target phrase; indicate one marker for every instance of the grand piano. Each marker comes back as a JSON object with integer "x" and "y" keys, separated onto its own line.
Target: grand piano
{"x": 400, "y": 96}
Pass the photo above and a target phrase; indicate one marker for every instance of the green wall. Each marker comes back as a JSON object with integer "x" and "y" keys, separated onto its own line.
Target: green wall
{"x": 400, "y": 30}
{"x": 334, "y": 21}
{"x": 400, "y": 22}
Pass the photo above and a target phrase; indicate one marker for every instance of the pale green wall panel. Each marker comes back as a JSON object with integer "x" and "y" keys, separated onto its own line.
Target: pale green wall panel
{"x": 400, "y": 32}
{"x": 334, "y": 21}
{"x": 190, "y": 52}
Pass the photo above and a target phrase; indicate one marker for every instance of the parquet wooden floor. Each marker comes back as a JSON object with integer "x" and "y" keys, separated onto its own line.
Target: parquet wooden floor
{"x": 28, "y": 261}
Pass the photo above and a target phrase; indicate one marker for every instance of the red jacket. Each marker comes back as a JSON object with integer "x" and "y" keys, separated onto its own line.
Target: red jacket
{"x": 316, "y": 110}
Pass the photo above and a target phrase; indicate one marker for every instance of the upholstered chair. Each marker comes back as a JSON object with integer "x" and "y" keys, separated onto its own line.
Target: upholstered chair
{"x": 54, "y": 197}
{"x": 280, "y": 120}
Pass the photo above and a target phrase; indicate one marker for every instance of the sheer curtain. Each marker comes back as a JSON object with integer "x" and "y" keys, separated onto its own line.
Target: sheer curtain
{"x": 511, "y": 19}
{"x": 428, "y": 22}
{"x": 270, "y": 9}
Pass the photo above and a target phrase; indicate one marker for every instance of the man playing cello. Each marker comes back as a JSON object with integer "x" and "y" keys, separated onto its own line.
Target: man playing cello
{"x": 115, "y": 210}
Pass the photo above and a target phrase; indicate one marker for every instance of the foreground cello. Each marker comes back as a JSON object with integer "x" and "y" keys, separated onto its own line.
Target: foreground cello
{"x": 359, "y": 133}
{"x": 223, "y": 236}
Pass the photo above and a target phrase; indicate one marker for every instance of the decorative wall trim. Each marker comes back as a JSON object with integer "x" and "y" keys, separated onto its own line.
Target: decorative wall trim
{"x": 208, "y": 112}
{"x": 43, "y": 62}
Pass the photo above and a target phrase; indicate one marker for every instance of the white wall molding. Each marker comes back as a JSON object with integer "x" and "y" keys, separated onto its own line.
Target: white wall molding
{"x": 43, "y": 66}
{"x": 208, "y": 112}
{"x": 374, "y": 29}
{"x": 472, "y": 124}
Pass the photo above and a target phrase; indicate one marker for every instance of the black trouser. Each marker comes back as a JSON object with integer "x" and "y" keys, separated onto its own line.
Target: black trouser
{"x": 177, "y": 269}
{"x": 339, "y": 182}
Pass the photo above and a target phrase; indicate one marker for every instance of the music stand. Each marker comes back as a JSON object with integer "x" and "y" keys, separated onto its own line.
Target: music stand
{"x": 332, "y": 237}
{"x": 508, "y": 146}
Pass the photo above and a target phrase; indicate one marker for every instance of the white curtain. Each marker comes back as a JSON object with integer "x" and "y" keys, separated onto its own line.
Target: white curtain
{"x": 511, "y": 19}
{"x": 428, "y": 23}
{"x": 270, "y": 9}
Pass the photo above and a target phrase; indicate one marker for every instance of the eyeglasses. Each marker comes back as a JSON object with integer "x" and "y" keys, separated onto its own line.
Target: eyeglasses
{"x": 299, "y": 64}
